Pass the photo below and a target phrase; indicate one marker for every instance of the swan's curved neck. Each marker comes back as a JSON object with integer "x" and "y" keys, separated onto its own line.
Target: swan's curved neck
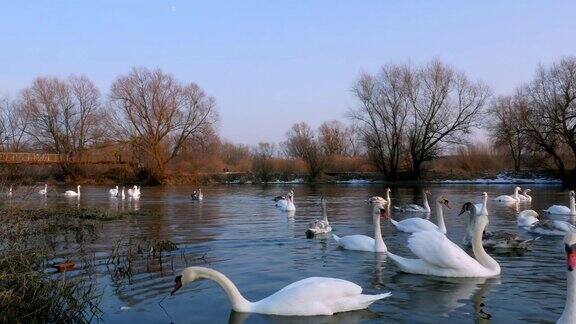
{"x": 324, "y": 214}
{"x": 378, "y": 241}
{"x": 479, "y": 253}
{"x": 440, "y": 216}
{"x": 516, "y": 196}
{"x": 426, "y": 205}
{"x": 239, "y": 303}
{"x": 484, "y": 207}
{"x": 388, "y": 199}
{"x": 572, "y": 206}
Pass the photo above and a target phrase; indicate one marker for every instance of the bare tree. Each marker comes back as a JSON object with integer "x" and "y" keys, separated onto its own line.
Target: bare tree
{"x": 382, "y": 116}
{"x": 62, "y": 116}
{"x": 444, "y": 107}
{"x": 549, "y": 118}
{"x": 13, "y": 127}
{"x": 263, "y": 161}
{"x": 158, "y": 114}
{"x": 506, "y": 128}
{"x": 335, "y": 138}
{"x": 301, "y": 142}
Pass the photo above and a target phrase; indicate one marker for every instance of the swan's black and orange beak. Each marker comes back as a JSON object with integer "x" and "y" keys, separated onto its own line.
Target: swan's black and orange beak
{"x": 447, "y": 204}
{"x": 571, "y": 256}
{"x": 178, "y": 284}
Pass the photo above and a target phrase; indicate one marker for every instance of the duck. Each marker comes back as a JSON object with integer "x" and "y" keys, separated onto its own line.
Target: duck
{"x": 438, "y": 256}
{"x": 494, "y": 240}
{"x": 72, "y": 193}
{"x": 363, "y": 242}
{"x": 197, "y": 195}
{"x": 525, "y": 195}
{"x": 563, "y": 210}
{"x": 417, "y": 224}
{"x": 321, "y": 226}
{"x": 569, "y": 314}
{"x": 509, "y": 199}
{"x": 307, "y": 297}
{"x": 113, "y": 192}
{"x": 377, "y": 200}
{"x": 529, "y": 220}
{"x": 44, "y": 191}
{"x": 414, "y": 208}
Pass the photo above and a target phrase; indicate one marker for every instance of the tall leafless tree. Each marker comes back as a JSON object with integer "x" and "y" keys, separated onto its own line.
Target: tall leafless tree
{"x": 62, "y": 115}
{"x": 158, "y": 114}
{"x": 263, "y": 161}
{"x": 301, "y": 142}
{"x": 335, "y": 138}
{"x": 382, "y": 115}
{"x": 506, "y": 127}
{"x": 444, "y": 107}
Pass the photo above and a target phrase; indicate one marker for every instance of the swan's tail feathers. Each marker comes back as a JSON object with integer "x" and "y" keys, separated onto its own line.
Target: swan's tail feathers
{"x": 336, "y": 238}
{"x": 395, "y": 223}
{"x": 401, "y": 262}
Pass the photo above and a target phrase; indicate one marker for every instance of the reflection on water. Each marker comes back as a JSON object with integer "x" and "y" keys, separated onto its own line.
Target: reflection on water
{"x": 236, "y": 230}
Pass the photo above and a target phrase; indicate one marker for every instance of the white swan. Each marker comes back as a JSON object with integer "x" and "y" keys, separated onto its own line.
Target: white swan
{"x": 569, "y": 313}
{"x": 44, "y": 191}
{"x": 377, "y": 200}
{"x": 493, "y": 240}
{"x": 72, "y": 193}
{"x": 123, "y": 195}
{"x": 113, "y": 192}
{"x": 321, "y": 226}
{"x": 417, "y": 224}
{"x": 363, "y": 242}
{"x": 525, "y": 196}
{"x": 509, "y": 199}
{"x": 287, "y": 204}
{"x": 438, "y": 256}
{"x": 308, "y": 297}
{"x": 134, "y": 192}
{"x": 197, "y": 195}
{"x": 9, "y": 194}
{"x": 528, "y": 220}
{"x": 282, "y": 201}
{"x": 414, "y": 208}
{"x": 563, "y": 210}
{"x": 482, "y": 208}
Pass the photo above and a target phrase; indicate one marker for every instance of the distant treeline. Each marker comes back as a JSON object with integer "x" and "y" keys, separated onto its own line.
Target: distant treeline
{"x": 409, "y": 121}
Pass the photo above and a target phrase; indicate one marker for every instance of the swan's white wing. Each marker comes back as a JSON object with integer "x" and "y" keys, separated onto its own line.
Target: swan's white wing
{"x": 356, "y": 242}
{"x": 563, "y": 226}
{"x": 310, "y": 296}
{"x": 435, "y": 249}
{"x": 558, "y": 209}
{"x": 416, "y": 224}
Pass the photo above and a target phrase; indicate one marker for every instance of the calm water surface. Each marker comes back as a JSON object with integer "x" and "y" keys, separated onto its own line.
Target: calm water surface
{"x": 262, "y": 250}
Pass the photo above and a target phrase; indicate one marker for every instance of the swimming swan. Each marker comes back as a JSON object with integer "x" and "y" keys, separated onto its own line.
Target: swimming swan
{"x": 417, "y": 224}
{"x": 528, "y": 220}
{"x": 569, "y": 313}
{"x": 509, "y": 199}
{"x": 377, "y": 200}
{"x": 113, "y": 192}
{"x": 563, "y": 210}
{"x": 72, "y": 193}
{"x": 363, "y": 242}
{"x": 308, "y": 297}
{"x": 414, "y": 208}
{"x": 197, "y": 195}
{"x": 438, "y": 256}
{"x": 321, "y": 226}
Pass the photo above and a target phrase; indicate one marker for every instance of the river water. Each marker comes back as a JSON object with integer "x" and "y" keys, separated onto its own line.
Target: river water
{"x": 237, "y": 231}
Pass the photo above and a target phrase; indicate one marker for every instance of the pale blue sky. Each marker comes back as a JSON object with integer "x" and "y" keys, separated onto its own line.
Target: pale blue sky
{"x": 272, "y": 63}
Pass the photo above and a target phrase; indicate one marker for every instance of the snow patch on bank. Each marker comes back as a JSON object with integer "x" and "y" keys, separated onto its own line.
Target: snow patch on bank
{"x": 503, "y": 179}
